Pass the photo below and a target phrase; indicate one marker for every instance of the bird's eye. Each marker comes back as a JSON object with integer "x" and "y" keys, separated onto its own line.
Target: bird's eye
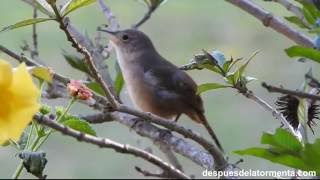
{"x": 125, "y": 37}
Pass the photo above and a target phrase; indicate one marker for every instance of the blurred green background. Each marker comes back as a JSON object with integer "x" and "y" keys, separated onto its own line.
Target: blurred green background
{"x": 179, "y": 29}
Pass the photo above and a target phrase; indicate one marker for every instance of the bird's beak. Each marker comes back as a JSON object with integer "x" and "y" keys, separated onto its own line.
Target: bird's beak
{"x": 113, "y": 34}
{"x": 108, "y": 31}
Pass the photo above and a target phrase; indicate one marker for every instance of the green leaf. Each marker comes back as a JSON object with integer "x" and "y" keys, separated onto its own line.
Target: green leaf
{"x": 309, "y": 16}
{"x": 96, "y": 87}
{"x": 311, "y": 156}
{"x": 210, "y": 67}
{"x": 300, "y": 51}
{"x": 42, "y": 73}
{"x": 243, "y": 67}
{"x": 226, "y": 65}
{"x": 118, "y": 83}
{"x": 315, "y": 30}
{"x": 297, "y": 21}
{"x": 230, "y": 78}
{"x": 73, "y": 5}
{"x": 209, "y": 86}
{"x": 80, "y": 125}
{"x": 76, "y": 62}
{"x": 26, "y": 22}
{"x": 282, "y": 139}
{"x": 44, "y": 7}
{"x": 274, "y": 156}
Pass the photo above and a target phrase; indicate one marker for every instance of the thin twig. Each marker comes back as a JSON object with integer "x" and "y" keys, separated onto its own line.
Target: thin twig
{"x": 274, "y": 89}
{"x": 150, "y": 174}
{"x": 171, "y": 156}
{"x": 81, "y": 49}
{"x": 277, "y": 115}
{"x": 144, "y": 18}
{"x": 314, "y": 82}
{"x": 114, "y": 25}
{"x": 272, "y": 21}
{"x": 107, "y": 143}
{"x": 34, "y": 52}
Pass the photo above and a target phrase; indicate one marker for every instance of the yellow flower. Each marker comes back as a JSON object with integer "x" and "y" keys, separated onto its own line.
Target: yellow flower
{"x": 18, "y": 101}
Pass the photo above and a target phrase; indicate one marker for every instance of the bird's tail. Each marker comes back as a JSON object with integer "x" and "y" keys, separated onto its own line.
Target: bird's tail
{"x": 206, "y": 124}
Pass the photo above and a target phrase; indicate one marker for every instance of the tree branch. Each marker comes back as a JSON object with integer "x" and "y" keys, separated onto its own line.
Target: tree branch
{"x": 293, "y": 8}
{"x": 221, "y": 162}
{"x": 272, "y": 21}
{"x": 273, "y": 89}
{"x": 107, "y": 143}
{"x": 81, "y": 49}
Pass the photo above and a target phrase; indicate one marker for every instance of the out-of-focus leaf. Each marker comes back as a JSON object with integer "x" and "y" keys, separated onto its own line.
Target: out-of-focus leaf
{"x": 209, "y": 86}
{"x": 299, "y": 51}
{"x": 26, "y": 22}
{"x": 297, "y": 21}
{"x": 34, "y": 162}
{"x": 96, "y": 87}
{"x": 118, "y": 83}
{"x": 282, "y": 139}
{"x": 274, "y": 156}
{"x": 42, "y": 73}
{"x": 80, "y": 125}
{"x": 73, "y": 5}
{"x": 311, "y": 156}
{"x": 76, "y": 62}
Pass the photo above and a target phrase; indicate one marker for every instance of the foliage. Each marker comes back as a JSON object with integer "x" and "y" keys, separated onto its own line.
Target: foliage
{"x": 283, "y": 148}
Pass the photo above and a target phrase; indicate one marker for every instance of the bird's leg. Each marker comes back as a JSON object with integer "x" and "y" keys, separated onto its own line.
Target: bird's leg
{"x": 177, "y": 117}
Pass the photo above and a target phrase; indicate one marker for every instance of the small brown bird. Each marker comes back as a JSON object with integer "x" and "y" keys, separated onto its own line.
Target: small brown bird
{"x": 154, "y": 84}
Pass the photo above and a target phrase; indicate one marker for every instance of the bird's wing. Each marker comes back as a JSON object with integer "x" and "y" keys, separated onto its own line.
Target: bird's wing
{"x": 171, "y": 83}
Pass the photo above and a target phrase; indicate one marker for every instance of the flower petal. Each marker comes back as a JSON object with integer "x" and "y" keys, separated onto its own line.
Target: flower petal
{"x": 5, "y": 74}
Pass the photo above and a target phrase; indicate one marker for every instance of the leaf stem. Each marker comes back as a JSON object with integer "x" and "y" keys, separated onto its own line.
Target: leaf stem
{"x": 67, "y": 109}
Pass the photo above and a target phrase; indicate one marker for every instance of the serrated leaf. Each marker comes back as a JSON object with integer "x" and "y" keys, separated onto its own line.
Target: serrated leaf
{"x": 73, "y": 5}
{"x": 282, "y": 139}
{"x": 96, "y": 87}
{"x": 300, "y": 51}
{"x": 274, "y": 156}
{"x": 42, "y": 73}
{"x": 76, "y": 62}
{"x": 209, "y": 86}
{"x": 297, "y": 21}
{"x": 26, "y": 22}
{"x": 80, "y": 125}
